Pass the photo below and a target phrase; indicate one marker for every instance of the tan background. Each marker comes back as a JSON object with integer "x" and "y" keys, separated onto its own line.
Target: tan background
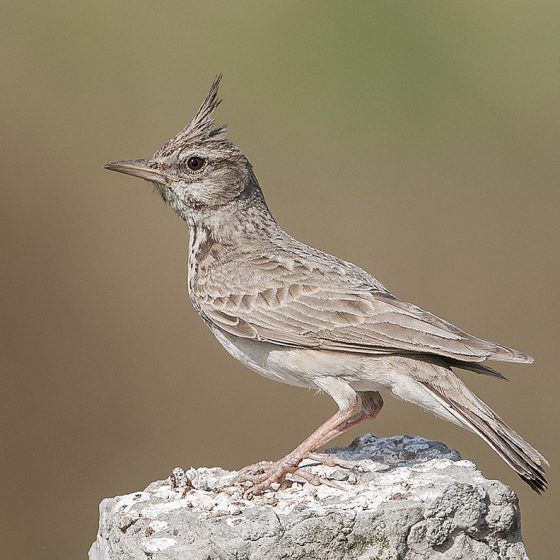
{"x": 417, "y": 139}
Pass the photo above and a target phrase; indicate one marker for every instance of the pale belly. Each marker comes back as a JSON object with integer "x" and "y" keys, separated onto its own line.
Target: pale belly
{"x": 298, "y": 367}
{"x": 259, "y": 356}
{"x": 311, "y": 368}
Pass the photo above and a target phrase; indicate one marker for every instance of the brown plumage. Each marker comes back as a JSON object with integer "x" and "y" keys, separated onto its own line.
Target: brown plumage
{"x": 301, "y": 316}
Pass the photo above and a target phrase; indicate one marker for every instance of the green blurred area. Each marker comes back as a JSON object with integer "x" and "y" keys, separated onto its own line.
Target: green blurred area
{"x": 417, "y": 139}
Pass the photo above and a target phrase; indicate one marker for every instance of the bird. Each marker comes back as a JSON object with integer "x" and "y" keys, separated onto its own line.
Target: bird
{"x": 300, "y": 316}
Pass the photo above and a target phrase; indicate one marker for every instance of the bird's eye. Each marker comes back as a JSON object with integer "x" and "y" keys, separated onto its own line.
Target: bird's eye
{"x": 195, "y": 163}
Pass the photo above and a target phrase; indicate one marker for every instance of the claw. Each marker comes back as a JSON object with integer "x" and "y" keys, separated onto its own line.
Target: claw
{"x": 252, "y": 473}
{"x": 331, "y": 460}
{"x": 265, "y": 475}
{"x": 316, "y": 480}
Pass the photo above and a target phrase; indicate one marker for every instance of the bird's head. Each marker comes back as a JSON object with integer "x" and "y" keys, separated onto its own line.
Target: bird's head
{"x": 199, "y": 170}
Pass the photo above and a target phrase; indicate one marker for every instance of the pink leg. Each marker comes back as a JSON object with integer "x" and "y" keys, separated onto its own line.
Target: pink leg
{"x": 277, "y": 471}
{"x": 337, "y": 424}
{"x": 372, "y": 403}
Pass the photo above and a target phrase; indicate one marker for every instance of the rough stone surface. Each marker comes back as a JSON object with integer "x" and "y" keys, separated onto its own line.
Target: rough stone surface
{"x": 402, "y": 497}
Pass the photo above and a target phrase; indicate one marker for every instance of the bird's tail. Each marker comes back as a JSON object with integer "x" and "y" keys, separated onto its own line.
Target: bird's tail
{"x": 475, "y": 415}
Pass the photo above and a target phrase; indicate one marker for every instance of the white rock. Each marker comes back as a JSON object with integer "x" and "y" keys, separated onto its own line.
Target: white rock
{"x": 403, "y": 497}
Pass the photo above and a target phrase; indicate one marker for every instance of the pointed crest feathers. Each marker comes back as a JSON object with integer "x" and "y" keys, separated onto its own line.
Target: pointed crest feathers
{"x": 202, "y": 123}
{"x": 201, "y": 127}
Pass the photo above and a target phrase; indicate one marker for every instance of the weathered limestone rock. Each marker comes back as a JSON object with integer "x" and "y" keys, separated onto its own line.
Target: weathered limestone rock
{"x": 402, "y": 498}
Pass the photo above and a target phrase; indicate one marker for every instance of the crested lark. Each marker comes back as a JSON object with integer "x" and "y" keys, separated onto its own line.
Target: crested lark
{"x": 300, "y": 316}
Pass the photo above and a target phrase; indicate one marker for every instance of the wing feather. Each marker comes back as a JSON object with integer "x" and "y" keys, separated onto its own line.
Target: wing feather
{"x": 309, "y": 310}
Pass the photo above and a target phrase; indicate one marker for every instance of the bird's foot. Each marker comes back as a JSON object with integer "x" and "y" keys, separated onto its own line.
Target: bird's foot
{"x": 331, "y": 460}
{"x": 265, "y": 475}
{"x": 252, "y": 473}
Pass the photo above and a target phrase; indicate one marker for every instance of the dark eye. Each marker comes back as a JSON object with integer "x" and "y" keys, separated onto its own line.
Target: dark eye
{"x": 195, "y": 163}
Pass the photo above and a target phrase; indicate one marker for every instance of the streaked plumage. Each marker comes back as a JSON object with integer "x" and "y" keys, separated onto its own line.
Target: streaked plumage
{"x": 301, "y": 316}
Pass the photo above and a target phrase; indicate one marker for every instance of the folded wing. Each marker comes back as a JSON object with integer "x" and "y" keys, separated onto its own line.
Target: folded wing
{"x": 335, "y": 314}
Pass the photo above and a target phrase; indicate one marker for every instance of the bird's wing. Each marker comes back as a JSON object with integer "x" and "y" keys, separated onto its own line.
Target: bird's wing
{"x": 337, "y": 313}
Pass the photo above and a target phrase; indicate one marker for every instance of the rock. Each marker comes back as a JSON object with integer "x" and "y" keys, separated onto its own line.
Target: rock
{"x": 400, "y": 497}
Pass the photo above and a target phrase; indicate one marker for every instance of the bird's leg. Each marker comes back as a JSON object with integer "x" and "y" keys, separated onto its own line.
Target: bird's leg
{"x": 372, "y": 403}
{"x": 276, "y": 472}
{"x": 259, "y": 472}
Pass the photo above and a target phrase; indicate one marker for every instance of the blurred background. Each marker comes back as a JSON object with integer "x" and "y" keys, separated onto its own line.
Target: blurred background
{"x": 417, "y": 139}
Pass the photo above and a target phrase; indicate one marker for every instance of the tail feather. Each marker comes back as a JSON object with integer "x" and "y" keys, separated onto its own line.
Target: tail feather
{"x": 505, "y": 354}
{"x": 475, "y": 415}
{"x": 477, "y": 367}
{"x": 517, "y": 454}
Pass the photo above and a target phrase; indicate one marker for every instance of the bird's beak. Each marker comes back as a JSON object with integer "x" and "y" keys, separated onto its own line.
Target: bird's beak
{"x": 137, "y": 168}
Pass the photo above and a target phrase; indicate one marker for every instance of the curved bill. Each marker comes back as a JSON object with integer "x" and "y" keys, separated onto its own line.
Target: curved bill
{"x": 137, "y": 168}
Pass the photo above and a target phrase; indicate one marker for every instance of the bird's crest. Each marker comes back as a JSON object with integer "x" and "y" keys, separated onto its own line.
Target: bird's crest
{"x": 201, "y": 127}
